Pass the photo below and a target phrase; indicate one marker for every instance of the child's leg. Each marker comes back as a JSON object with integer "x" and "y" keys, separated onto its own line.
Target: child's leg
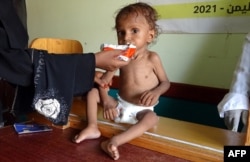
{"x": 146, "y": 119}
{"x": 91, "y": 131}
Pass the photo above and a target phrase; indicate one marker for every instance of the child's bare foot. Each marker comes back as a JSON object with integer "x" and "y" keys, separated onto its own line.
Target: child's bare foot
{"x": 87, "y": 133}
{"x": 110, "y": 149}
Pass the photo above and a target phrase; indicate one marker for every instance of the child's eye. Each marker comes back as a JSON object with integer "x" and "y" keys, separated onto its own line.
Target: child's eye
{"x": 120, "y": 33}
{"x": 135, "y": 31}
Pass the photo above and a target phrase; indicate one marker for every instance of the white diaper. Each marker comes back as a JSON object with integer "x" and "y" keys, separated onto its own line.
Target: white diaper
{"x": 127, "y": 111}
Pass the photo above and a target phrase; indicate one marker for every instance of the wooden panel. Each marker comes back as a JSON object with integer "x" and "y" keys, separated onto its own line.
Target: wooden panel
{"x": 58, "y": 46}
{"x": 247, "y": 140}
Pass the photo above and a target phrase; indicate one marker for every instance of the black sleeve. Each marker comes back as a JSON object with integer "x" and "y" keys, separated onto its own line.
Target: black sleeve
{"x": 16, "y": 66}
{"x": 74, "y": 71}
{"x": 85, "y": 73}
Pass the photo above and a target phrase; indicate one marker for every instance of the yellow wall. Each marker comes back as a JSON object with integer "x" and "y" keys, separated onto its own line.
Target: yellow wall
{"x": 199, "y": 59}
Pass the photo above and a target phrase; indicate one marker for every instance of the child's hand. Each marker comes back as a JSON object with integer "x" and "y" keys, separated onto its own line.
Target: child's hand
{"x": 106, "y": 83}
{"x": 149, "y": 98}
{"x": 102, "y": 82}
{"x": 110, "y": 111}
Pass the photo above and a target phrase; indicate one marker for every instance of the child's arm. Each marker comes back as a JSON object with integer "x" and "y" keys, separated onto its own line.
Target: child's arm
{"x": 108, "y": 102}
{"x": 151, "y": 97}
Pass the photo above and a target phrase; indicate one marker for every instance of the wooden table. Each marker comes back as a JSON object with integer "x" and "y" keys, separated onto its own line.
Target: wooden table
{"x": 57, "y": 146}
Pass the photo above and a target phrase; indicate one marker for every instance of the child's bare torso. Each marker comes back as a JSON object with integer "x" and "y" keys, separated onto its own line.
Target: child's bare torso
{"x": 137, "y": 77}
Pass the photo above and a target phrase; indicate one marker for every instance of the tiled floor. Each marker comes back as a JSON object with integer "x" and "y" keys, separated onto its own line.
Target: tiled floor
{"x": 56, "y": 146}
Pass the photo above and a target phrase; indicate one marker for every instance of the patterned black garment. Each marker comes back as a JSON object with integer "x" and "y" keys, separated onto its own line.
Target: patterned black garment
{"x": 57, "y": 80}
{"x": 42, "y": 79}
{"x": 57, "y": 77}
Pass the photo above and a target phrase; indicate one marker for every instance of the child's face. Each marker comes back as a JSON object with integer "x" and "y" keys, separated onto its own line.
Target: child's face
{"x": 134, "y": 29}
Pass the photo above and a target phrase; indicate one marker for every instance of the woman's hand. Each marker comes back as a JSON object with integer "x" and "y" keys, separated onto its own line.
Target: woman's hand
{"x": 108, "y": 60}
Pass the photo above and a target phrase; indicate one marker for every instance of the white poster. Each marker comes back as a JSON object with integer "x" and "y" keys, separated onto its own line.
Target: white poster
{"x": 203, "y": 16}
